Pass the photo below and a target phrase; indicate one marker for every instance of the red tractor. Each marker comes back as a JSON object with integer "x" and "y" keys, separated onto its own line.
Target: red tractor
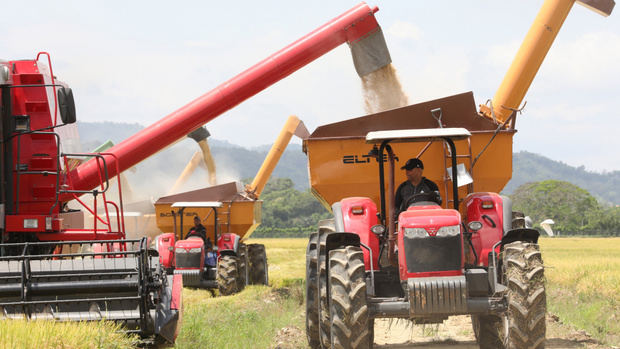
{"x": 228, "y": 266}
{"x": 425, "y": 265}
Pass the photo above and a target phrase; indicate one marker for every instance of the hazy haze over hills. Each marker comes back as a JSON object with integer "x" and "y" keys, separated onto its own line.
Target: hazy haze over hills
{"x": 154, "y": 176}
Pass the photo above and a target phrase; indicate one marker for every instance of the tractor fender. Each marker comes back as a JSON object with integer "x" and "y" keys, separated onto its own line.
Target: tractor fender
{"x": 228, "y": 244}
{"x": 339, "y": 240}
{"x": 520, "y": 234}
{"x": 357, "y": 215}
{"x": 164, "y": 244}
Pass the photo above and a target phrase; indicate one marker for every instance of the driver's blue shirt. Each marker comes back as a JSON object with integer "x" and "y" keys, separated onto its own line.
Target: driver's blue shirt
{"x": 407, "y": 189}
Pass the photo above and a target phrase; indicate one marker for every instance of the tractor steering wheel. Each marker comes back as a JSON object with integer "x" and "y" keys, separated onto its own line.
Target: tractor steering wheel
{"x": 431, "y": 197}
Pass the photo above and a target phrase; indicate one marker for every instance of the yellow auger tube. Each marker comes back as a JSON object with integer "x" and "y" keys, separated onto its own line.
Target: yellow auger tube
{"x": 293, "y": 126}
{"x": 208, "y": 158}
{"x": 187, "y": 172}
{"x": 532, "y": 53}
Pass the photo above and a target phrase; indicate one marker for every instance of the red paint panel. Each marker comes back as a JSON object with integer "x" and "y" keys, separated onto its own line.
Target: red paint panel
{"x": 486, "y": 237}
{"x": 226, "y": 242}
{"x": 360, "y": 224}
{"x": 430, "y": 218}
{"x": 165, "y": 247}
{"x": 176, "y": 302}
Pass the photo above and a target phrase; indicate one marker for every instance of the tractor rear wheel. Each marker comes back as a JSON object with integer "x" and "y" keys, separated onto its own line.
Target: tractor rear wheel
{"x": 227, "y": 275}
{"x": 258, "y": 264}
{"x": 242, "y": 266}
{"x": 350, "y": 320}
{"x": 312, "y": 296}
{"x": 523, "y": 324}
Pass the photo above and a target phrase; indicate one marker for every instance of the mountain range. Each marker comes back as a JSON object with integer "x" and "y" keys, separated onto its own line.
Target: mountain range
{"x": 153, "y": 177}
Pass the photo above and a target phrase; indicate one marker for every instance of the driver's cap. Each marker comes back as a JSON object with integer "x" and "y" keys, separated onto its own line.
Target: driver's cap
{"x": 413, "y": 163}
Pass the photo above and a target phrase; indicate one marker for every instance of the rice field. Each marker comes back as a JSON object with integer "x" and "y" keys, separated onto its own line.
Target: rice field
{"x": 583, "y": 284}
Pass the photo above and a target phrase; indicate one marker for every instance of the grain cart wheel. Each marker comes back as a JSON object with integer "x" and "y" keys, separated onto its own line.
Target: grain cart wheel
{"x": 324, "y": 322}
{"x": 523, "y": 274}
{"x": 227, "y": 275}
{"x": 242, "y": 266}
{"x": 350, "y": 321}
{"x": 312, "y": 296}
{"x": 258, "y": 264}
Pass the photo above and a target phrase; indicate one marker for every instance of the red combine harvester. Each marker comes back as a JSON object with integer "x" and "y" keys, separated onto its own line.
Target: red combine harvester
{"x": 51, "y": 267}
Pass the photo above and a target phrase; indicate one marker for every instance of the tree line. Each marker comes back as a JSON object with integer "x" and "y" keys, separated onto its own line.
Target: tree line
{"x": 573, "y": 209}
{"x": 288, "y": 212}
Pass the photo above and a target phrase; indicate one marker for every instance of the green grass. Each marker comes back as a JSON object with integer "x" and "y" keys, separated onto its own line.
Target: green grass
{"x": 47, "y": 334}
{"x": 249, "y": 319}
{"x": 583, "y": 284}
{"x": 252, "y": 318}
{"x": 287, "y": 260}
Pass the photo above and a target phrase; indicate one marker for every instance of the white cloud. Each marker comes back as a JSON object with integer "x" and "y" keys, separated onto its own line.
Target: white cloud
{"x": 404, "y": 30}
{"x": 590, "y": 60}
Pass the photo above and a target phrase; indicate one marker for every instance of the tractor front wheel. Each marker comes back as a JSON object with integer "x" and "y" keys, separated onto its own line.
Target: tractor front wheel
{"x": 523, "y": 324}
{"x": 227, "y": 275}
{"x": 350, "y": 320}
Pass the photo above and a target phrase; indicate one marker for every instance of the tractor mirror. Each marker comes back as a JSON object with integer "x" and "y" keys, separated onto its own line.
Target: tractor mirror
{"x": 66, "y": 104}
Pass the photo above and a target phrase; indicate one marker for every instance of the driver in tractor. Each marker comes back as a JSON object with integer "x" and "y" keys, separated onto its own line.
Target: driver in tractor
{"x": 198, "y": 230}
{"x": 415, "y": 188}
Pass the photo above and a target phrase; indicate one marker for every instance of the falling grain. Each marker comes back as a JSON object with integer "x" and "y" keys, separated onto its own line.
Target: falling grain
{"x": 382, "y": 90}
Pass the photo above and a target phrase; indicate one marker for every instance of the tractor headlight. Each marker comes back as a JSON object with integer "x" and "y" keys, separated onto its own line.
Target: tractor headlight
{"x": 452, "y": 230}
{"x": 181, "y": 250}
{"x": 195, "y": 250}
{"x": 414, "y": 233}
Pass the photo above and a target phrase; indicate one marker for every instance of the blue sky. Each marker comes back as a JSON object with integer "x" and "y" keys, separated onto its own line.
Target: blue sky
{"x": 137, "y": 61}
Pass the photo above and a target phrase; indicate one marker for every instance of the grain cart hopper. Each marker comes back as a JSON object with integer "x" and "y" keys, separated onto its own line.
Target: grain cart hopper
{"x": 474, "y": 256}
{"x": 230, "y": 213}
{"x": 47, "y": 265}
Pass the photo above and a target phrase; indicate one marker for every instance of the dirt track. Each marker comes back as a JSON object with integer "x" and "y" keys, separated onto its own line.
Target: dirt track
{"x": 455, "y": 333}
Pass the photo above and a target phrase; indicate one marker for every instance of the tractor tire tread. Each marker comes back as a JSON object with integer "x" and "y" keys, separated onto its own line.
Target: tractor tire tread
{"x": 227, "y": 275}
{"x": 312, "y": 313}
{"x": 350, "y": 319}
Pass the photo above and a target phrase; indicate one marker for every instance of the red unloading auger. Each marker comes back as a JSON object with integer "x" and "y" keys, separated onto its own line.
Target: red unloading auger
{"x": 357, "y": 27}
